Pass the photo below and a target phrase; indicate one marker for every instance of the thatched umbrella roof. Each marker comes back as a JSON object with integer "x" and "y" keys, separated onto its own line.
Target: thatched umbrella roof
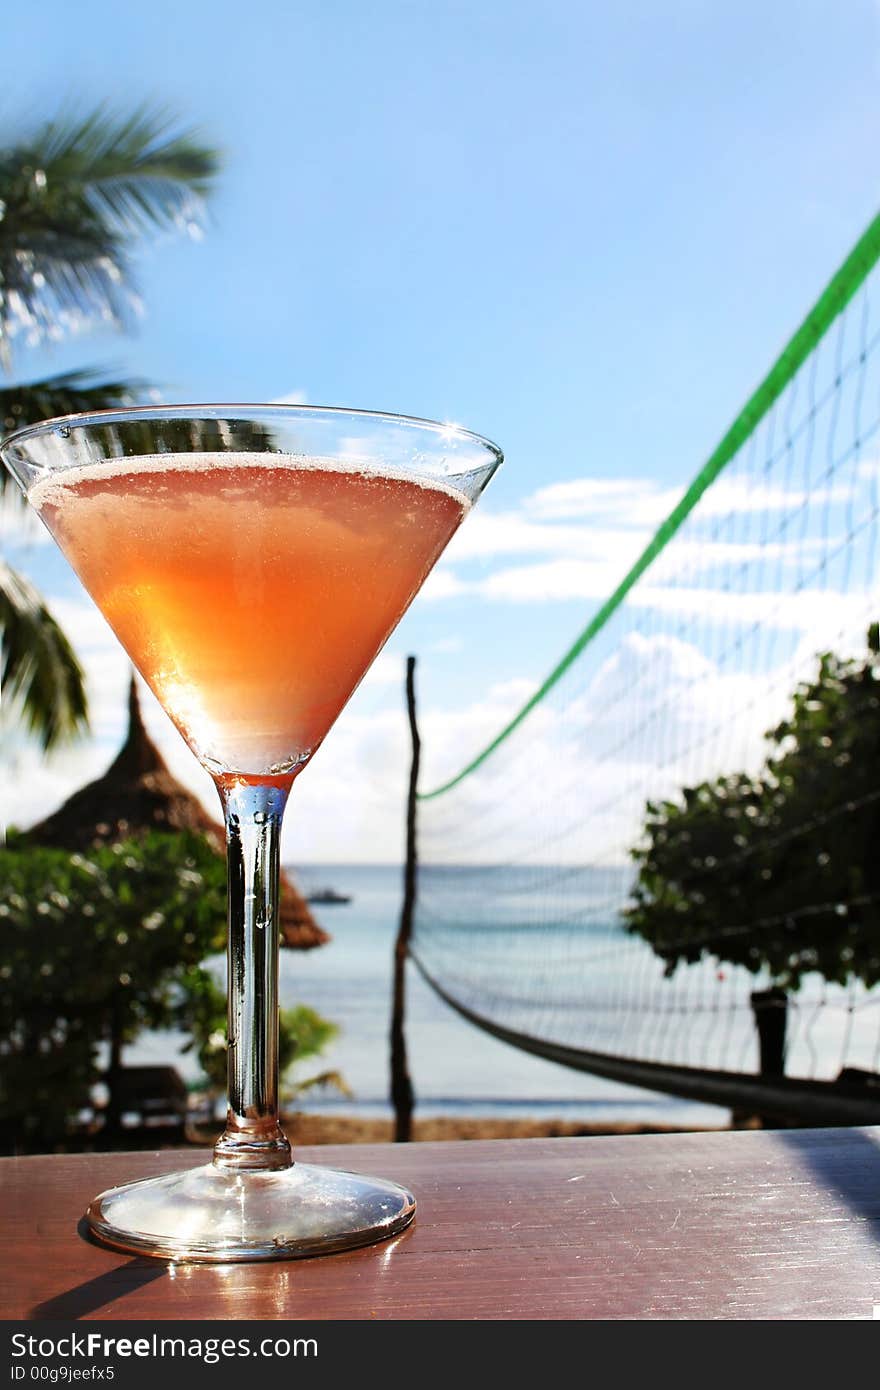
{"x": 138, "y": 793}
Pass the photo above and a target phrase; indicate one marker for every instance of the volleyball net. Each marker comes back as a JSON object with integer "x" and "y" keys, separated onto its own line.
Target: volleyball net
{"x": 680, "y": 825}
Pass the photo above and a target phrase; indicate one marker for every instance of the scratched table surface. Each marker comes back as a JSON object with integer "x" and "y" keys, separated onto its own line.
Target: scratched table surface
{"x": 779, "y": 1224}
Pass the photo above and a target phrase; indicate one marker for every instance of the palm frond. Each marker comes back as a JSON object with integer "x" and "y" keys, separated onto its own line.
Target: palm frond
{"x": 73, "y": 200}
{"x": 138, "y": 172}
{"x": 67, "y": 393}
{"x": 323, "y": 1080}
{"x": 39, "y": 672}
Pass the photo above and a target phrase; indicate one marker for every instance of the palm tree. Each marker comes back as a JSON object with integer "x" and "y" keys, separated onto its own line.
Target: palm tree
{"x": 39, "y": 672}
{"x": 68, "y": 393}
{"x": 75, "y": 197}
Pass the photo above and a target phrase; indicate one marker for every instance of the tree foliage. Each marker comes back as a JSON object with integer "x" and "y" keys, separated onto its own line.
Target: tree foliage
{"x": 102, "y": 946}
{"x": 779, "y": 872}
{"x": 91, "y": 945}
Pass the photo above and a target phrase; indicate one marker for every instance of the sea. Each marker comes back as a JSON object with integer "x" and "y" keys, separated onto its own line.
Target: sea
{"x": 456, "y": 1069}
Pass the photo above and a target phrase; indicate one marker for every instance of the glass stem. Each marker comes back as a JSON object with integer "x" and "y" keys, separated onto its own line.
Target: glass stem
{"x": 253, "y": 1137}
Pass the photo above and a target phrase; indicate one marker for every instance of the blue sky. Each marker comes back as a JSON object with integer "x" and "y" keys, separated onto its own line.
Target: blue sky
{"x": 582, "y": 229}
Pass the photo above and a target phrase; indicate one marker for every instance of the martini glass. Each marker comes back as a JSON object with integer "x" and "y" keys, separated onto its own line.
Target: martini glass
{"x": 252, "y": 560}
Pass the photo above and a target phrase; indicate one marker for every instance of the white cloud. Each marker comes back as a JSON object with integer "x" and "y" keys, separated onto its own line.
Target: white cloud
{"x": 569, "y": 786}
{"x": 567, "y": 579}
{"x": 752, "y": 551}
{"x": 486, "y": 534}
{"x": 643, "y": 502}
{"x": 387, "y": 669}
{"x": 349, "y": 804}
{"x": 733, "y": 495}
{"x": 443, "y": 583}
{"x": 634, "y": 501}
{"x": 553, "y": 580}
{"x": 801, "y": 610}
{"x": 292, "y": 398}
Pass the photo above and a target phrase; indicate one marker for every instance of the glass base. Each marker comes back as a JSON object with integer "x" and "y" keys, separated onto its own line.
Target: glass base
{"x": 219, "y": 1214}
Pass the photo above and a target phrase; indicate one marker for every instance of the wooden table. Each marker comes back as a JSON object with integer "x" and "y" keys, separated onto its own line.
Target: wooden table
{"x": 741, "y": 1225}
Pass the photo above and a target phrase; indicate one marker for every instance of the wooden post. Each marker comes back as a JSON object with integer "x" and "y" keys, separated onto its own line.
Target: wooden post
{"x": 770, "y": 1009}
{"x": 111, "y": 1130}
{"x": 401, "y": 1086}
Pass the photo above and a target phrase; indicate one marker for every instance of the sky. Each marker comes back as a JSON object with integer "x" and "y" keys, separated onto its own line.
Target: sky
{"x": 583, "y": 230}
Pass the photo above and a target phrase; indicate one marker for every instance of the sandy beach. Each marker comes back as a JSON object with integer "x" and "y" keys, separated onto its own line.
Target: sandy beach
{"x": 304, "y": 1128}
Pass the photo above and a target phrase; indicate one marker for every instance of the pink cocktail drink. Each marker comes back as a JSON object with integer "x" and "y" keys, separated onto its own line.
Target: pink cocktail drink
{"x": 252, "y": 592}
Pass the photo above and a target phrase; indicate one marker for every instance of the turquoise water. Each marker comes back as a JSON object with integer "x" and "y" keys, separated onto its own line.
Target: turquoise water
{"x": 601, "y": 983}
{"x": 455, "y": 1068}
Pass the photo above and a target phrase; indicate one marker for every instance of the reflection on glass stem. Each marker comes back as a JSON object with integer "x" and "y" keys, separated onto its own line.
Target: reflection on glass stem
{"x": 253, "y": 1137}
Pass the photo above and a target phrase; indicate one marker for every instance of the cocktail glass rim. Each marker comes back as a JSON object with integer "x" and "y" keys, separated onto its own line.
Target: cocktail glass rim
{"x": 221, "y": 409}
